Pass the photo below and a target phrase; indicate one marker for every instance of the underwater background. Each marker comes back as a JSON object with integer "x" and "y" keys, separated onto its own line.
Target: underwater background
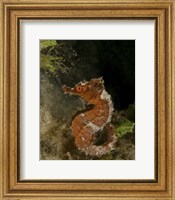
{"x": 67, "y": 62}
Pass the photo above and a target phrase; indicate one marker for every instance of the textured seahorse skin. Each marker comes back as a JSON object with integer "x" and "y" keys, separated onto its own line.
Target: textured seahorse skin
{"x": 87, "y": 123}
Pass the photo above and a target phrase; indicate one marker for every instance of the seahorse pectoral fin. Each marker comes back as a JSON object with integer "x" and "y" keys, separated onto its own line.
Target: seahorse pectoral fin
{"x": 89, "y": 106}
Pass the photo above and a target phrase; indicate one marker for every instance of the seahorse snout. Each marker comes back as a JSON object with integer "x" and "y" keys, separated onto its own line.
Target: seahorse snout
{"x": 68, "y": 90}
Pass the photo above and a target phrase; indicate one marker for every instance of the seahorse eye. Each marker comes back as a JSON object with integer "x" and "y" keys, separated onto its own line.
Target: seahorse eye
{"x": 79, "y": 88}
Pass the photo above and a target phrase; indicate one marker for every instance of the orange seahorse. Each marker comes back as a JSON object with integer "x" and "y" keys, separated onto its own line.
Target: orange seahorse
{"x": 86, "y": 124}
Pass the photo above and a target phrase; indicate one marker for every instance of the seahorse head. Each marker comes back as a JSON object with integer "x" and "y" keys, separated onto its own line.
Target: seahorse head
{"x": 89, "y": 90}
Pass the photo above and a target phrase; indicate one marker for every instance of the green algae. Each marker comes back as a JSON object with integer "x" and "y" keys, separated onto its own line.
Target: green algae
{"x": 124, "y": 128}
{"x": 51, "y": 63}
{"x": 47, "y": 43}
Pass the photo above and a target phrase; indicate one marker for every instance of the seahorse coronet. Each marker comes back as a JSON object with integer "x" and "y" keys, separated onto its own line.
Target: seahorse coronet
{"x": 89, "y": 122}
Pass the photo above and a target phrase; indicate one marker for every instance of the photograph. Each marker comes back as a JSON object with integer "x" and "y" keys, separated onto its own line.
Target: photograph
{"x": 87, "y": 99}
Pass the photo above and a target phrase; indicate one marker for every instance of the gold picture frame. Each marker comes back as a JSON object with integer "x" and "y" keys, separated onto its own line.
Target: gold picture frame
{"x": 162, "y": 187}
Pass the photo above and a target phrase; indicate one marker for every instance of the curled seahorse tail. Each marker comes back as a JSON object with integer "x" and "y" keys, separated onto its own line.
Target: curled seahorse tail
{"x": 94, "y": 150}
